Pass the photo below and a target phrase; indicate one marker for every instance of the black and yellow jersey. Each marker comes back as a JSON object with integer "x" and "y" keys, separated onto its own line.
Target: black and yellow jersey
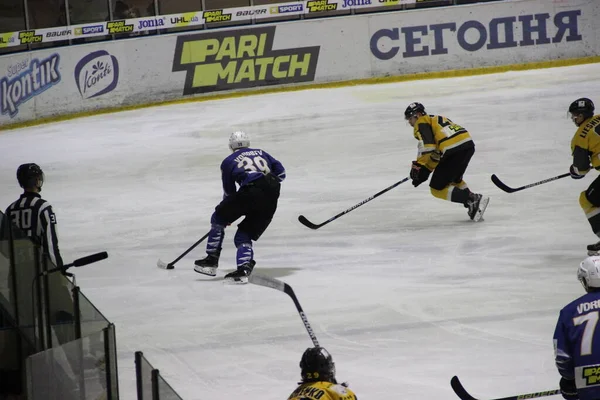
{"x": 585, "y": 145}
{"x": 438, "y": 135}
{"x": 322, "y": 391}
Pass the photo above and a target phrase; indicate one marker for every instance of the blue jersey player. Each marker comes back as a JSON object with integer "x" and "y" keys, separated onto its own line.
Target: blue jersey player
{"x": 577, "y": 338}
{"x": 258, "y": 176}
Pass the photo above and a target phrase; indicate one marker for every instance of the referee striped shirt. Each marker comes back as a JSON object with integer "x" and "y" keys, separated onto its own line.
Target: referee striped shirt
{"x": 34, "y": 216}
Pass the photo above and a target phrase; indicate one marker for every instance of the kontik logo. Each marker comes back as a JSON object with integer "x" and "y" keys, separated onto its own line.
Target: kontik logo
{"x": 240, "y": 59}
{"x": 96, "y": 74}
{"x": 31, "y": 80}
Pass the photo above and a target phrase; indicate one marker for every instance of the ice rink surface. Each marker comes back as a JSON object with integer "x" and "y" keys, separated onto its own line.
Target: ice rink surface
{"x": 405, "y": 291}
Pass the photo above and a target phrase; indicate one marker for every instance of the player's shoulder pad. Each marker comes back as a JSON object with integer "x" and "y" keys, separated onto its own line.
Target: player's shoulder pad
{"x": 339, "y": 389}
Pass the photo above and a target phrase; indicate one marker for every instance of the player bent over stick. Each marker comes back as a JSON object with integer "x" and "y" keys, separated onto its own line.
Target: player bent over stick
{"x": 258, "y": 175}
{"x": 585, "y": 147}
{"x": 445, "y": 148}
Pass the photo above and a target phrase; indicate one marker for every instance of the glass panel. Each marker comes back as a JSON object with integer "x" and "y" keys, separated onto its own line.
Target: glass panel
{"x": 85, "y": 11}
{"x": 123, "y": 9}
{"x": 75, "y": 370}
{"x": 146, "y": 375}
{"x": 166, "y": 7}
{"x": 6, "y": 302}
{"x": 112, "y": 354}
{"x": 216, "y": 4}
{"x": 12, "y": 16}
{"x": 27, "y": 284}
{"x": 92, "y": 320}
{"x": 165, "y": 391}
{"x": 46, "y": 13}
{"x": 61, "y": 307}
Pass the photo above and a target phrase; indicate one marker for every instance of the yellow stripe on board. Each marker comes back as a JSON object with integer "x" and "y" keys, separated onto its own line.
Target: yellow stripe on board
{"x": 354, "y": 82}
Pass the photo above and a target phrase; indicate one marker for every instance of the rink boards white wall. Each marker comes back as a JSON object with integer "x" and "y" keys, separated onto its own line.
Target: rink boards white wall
{"x": 67, "y": 80}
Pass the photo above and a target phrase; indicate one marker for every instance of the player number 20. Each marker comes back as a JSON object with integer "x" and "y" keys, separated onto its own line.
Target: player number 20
{"x": 254, "y": 164}
{"x": 590, "y": 320}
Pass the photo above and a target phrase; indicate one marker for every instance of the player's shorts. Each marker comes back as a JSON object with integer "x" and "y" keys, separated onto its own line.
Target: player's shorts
{"x": 257, "y": 201}
{"x": 451, "y": 168}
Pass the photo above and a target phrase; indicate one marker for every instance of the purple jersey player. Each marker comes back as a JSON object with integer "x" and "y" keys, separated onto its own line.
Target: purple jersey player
{"x": 577, "y": 338}
{"x": 258, "y": 176}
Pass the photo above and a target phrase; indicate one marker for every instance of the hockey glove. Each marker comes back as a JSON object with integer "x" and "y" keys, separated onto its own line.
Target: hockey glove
{"x": 575, "y": 174}
{"x": 568, "y": 389}
{"x": 418, "y": 173}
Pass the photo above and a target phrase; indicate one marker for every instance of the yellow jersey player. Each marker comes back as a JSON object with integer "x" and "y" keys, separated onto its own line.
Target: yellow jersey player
{"x": 446, "y": 149}
{"x": 585, "y": 148}
{"x": 318, "y": 378}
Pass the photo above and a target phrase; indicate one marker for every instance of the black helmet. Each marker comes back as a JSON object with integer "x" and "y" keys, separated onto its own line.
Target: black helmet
{"x": 30, "y": 176}
{"x": 412, "y": 109}
{"x": 317, "y": 365}
{"x": 583, "y": 106}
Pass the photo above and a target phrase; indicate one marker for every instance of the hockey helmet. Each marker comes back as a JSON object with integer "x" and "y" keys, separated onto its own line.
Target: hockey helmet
{"x": 582, "y": 106}
{"x": 317, "y": 365}
{"x": 588, "y": 273}
{"x": 30, "y": 176}
{"x": 238, "y": 140}
{"x": 413, "y": 109}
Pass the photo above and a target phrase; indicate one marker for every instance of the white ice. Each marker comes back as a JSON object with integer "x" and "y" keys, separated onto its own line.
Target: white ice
{"x": 405, "y": 291}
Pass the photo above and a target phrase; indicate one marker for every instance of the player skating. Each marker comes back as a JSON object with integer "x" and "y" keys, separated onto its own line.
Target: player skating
{"x": 446, "y": 149}
{"x": 258, "y": 175}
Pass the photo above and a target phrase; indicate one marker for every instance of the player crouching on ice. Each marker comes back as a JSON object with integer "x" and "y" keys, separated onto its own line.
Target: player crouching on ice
{"x": 258, "y": 175}
{"x": 318, "y": 378}
{"x": 446, "y": 149}
{"x": 585, "y": 148}
{"x": 577, "y": 338}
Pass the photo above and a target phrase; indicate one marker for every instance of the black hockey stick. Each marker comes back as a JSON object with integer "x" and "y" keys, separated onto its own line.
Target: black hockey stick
{"x": 171, "y": 265}
{"x": 284, "y": 287}
{"x": 310, "y": 225}
{"x": 508, "y": 189}
{"x": 464, "y": 395}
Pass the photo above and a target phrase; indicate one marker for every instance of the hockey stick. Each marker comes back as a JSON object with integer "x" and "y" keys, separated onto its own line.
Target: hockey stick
{"x": 171, "y": 265}
{"x": 284, "y": 287}
{"x": 464, "y": 395}
{"x": 310, "y": 225}
{"x": 508, "y": 189}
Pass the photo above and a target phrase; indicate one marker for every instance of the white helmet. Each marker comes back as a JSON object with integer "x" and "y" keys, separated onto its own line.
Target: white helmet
{"x": 239, "y": 139}
{"x": 589, "y": 272}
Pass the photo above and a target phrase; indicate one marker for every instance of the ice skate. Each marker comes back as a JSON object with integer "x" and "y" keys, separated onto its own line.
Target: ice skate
{"x": 477, "y": 204}
{"x": 240, "y": 276}
{"x": 208, "y": 265}
{"x": 593, "y": 249}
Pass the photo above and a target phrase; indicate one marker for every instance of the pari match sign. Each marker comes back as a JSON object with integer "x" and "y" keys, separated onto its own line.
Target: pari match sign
{"x": 137, "y": 26}
{"x": 225, "y": 60}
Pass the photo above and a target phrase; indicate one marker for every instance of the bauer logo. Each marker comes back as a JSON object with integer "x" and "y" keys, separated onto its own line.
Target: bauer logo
{"x": 96, "y": 74}
{"x": 240, "y": 59}
{"x": 39, "y": 76}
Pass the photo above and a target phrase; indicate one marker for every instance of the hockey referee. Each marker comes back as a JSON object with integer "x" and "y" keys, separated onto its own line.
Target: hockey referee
{"x": 34, "y": 215}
